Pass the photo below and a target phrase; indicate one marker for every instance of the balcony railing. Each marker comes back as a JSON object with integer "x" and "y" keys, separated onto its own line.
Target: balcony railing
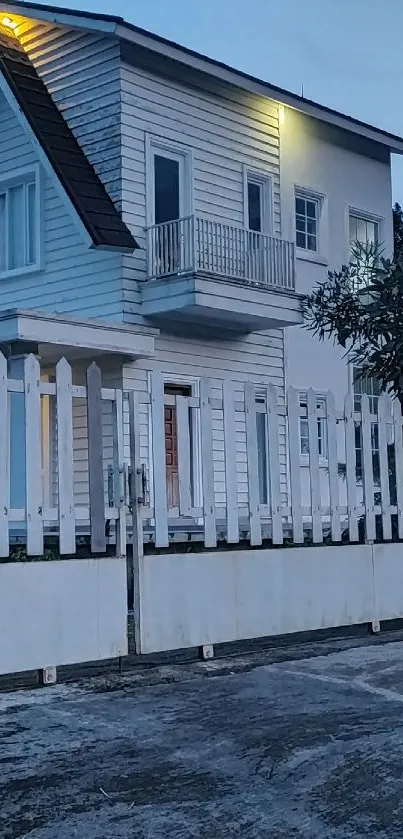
{"x": 196, "y": 244}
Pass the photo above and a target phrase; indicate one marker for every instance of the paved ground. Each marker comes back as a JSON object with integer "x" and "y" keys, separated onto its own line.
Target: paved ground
{"x": 309, "y": 749}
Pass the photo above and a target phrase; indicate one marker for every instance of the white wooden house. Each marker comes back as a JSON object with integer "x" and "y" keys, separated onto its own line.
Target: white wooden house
{"x": 162, "y": 214}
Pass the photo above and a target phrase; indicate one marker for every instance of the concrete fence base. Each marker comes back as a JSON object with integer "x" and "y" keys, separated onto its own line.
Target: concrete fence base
{"x": 194, "y": 599}
{"x": 54, "y": 613}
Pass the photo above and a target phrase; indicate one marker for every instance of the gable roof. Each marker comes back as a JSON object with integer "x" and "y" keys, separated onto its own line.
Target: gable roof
{"x": 73, "y": 169}
{"x": 114, "y": 25}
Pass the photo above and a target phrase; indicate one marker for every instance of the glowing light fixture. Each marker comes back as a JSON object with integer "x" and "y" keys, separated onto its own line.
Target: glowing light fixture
{"x": 10, "y": 24}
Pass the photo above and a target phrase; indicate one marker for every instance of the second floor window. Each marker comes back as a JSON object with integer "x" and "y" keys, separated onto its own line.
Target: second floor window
{"x": 255, "y": 205}
{"x": 363, "y": 232}
{"x": 304, "y": 427}
{"x": 307, "y": 209}
{"x": 19, "y": 224}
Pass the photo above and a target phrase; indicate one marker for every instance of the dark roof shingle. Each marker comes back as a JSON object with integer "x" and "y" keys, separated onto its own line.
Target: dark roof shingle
{"x": 69, "y": 162}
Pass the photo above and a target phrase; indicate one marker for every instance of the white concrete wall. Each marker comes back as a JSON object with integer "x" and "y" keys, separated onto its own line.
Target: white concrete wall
{"x": 194, "y": 599}
{"x": 324, "y": 161}
{"x": 54, "y": 613}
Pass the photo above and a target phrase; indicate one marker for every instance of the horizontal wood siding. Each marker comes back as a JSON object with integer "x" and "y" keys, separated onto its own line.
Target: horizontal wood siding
{"x": 74, "y": 279}
{"x": 224, "y": 129}
{"x": 257, "y": 358}
{"x": 82, "y": 72}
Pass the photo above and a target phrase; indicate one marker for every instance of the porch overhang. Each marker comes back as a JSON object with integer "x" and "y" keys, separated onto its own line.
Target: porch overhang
{"x": 57, "y": 335}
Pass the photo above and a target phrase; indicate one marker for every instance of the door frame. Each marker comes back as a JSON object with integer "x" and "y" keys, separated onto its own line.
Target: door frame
{"x": 194, "y": 383}
{"x": 183, "y": 154}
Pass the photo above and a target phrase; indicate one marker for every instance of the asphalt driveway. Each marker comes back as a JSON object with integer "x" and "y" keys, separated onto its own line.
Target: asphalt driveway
{"x": 297, "y": 750}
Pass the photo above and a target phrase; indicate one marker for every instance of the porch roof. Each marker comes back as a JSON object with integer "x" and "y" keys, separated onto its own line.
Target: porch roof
{"x": 62, "y": 333}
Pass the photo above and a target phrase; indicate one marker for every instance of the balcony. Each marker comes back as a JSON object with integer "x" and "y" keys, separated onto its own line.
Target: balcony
{"x": 205, "y": 273}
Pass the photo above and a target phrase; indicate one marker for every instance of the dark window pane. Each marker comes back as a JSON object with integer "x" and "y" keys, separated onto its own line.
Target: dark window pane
{"x": 311, "y": 226}
{"x": 254, "y": 207}
{"x": 166, "y": 188}
{"x": 301, "y": 223}
{"x": 311, "y": 209}
{"x": 262, "y": 457}
{"x": 300, "y": 206}
{"x": 312, "y": 243}
{"x": 301, "y": 240}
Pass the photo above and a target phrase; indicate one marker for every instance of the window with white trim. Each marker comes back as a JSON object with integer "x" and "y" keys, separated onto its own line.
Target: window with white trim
{"x": 257, "y": 200}
{"x": 19, "y": 223}
{"x": 307, "y": 216}
{"x": 363, "y": 233}
{"x": 321, "y": 424}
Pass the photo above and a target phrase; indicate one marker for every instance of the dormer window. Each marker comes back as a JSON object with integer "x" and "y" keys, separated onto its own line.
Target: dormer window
{"x": 19, "y": 223}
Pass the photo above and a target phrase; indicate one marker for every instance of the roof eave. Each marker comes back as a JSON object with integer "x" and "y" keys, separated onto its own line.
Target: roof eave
{"x": 109, "y": 24}
{"x": 256, "y": 86}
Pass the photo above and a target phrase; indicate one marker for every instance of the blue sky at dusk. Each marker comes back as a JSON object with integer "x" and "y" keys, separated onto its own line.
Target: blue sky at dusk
{"x": 346, "y": 54}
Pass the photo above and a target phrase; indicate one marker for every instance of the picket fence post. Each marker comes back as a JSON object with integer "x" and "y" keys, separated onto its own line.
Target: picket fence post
{"x": 4, "y": 459}
{"x": 293, "y": 410}
{"x": 206, "y": 426}
{"x": 65, "y": 469}
{"x": 231, "y": 481}
{"x": 159, "y": 460}
{"x": 33, "y": 472}
{"x": 253, "y": 465}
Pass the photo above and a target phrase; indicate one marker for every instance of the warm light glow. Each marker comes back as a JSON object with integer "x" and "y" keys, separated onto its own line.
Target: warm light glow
{"x": 10, "y": 24}
{"x": 281, "y": 114}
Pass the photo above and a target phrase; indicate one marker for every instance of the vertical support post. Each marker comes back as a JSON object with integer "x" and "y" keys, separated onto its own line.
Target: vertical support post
{"x": 16, "y": 408}
{"x": 333, "y": 467}
{"x": 293, "y": 409}
{"x": 314, "y": 475}
{"x": 383, "y": 413}
{"x": 398, "y": 434}
{"x": 159, "y": 461}
{"x": 274, "y": 465}
{"x": 368, "y": 478}
{"x": 231, "y": 479}
{"x": 95, "y": 459}
{"x": 350, "y": 468}
{"x": 33, "y": 470}
{"x": 119, "y": 466}
{"x": 206, "y": 427}
{"x": 65, "y": 469}
{"x": 4, "y": 459}
{"x": 137, "y": 519}
{"x": 253, "y": 465}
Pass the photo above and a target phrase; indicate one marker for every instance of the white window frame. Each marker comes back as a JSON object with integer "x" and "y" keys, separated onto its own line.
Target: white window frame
{"x": 323, "y": 458}
{"x": 320, "y": 255}
{"x": 194, "y": 383}
{"x": 18, "y": 177}
{"x": 265, "y": 181}
{"x": 183, "y": 155}
{"x": 365, "y": 216}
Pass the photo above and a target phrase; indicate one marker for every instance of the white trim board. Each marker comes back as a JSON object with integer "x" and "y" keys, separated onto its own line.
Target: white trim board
{"x": 37, "y": 328}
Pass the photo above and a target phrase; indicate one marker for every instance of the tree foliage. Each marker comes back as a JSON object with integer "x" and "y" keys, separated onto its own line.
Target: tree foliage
{"x": 398, "y": 231}
{"x": 360, "y": 306}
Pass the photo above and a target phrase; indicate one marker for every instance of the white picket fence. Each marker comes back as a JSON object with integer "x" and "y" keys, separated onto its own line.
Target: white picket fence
{"x": 320, "y": 495}
{"x": 241, "y": 474}
{"x": 31, "y": 520}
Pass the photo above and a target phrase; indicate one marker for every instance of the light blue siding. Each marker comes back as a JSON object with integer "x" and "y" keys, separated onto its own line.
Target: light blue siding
{"x": 74, "y": 279}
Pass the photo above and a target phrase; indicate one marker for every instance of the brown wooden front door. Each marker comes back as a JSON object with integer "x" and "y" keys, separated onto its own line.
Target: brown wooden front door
{"x": 171, "y": 444}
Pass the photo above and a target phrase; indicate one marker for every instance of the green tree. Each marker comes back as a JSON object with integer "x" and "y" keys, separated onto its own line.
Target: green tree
{"x": 398, "y": 231}
{"x": 360, "y": 306}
